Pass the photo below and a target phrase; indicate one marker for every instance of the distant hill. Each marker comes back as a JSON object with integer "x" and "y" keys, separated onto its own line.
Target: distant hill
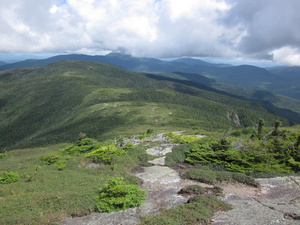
{"x": 288, "y": 73}
{"x": 192, "y": 61}
{"x": 2, "y": 63}
{"x": 54, "y": 103}
{"x": 279, "y": 101}
{"x": 243, "y": 76}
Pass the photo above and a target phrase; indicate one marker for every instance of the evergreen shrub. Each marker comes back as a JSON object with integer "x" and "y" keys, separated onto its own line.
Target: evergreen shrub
{"x": 117, "y": 195}
{"x": 9, "y": 177}
{"x": 105, "y": 153}
{"x": 50, "y": 159}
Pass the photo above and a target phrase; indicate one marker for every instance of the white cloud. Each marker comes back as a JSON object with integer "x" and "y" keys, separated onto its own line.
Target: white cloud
{"x": 287, "y": 56}
{"x": 148, "y": 27}
{"x": 268, "y": 26}
{"x": 154, "y": 28}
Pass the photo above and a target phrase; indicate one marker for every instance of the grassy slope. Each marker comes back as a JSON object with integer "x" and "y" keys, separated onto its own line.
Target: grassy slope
{"x": 53, "y": 195}
{"x": 52, "y": 104}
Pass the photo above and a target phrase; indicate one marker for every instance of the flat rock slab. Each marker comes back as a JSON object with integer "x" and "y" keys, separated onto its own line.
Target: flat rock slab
{"x": 160, "y": 174}
{"x": 158, "y": 161}
{"x": 278, "y": 203}
{"x": 160, "y": 150}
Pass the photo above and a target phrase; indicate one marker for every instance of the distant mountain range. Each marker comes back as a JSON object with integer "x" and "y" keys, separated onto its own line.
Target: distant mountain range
{"x": 283, "y": 81}
{"x": 52, "y": 104}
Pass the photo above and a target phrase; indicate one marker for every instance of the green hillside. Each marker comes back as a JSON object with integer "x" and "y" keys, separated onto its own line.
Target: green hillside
{"x": 278, "y": 104}
{"x": 283, "y": 81}
{"x": 54, "y": 103}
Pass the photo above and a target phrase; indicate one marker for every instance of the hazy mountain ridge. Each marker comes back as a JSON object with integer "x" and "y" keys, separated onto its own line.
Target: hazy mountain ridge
{"x": 2, "y": 63}
{"x": 53, "y": 103}
{"x": 192, "y": 61}
{"x": 247, "y": 76}
{"x": 289, "y": 73}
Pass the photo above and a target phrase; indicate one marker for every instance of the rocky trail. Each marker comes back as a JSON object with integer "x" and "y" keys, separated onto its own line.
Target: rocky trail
{"x": 277, "y": 201}
{"x": 163, "y": 185}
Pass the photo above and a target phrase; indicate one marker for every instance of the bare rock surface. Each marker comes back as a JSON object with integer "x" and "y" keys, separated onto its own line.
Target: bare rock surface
{"x": 278, "y": 202}
{"x": 160, "y": 150}
{"x": 161, "y": 174}
{"x": 158, "y": 161}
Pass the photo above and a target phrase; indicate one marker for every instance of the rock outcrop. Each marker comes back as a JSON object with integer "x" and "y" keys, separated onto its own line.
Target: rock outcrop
{"x": 278, "y": 202}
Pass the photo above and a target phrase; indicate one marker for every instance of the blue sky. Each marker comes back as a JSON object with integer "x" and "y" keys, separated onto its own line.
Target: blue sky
{"x": 232, "y": 30}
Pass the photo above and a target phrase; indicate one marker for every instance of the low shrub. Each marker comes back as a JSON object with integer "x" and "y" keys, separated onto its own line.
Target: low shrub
{"x": 143, "y": 159}
{"x": 3, "y": 155}
{"x": 61, "y": 165}
{"x": 50, "y": 159}
{"x": 117, "y": 195}
{"x": 9, "y": 177}
{"x": 204, "y": 176}
{"x": 105, "y": 153}
{"x": 128, "y": 147}
{"x": 177, "y": 155}
{"x": 82, "y": 146}
{"x": 245, "y": 179}
{"x": 192, "y": 189}
{"x": 212, "y": 177}
{"x": 267, "y": 154}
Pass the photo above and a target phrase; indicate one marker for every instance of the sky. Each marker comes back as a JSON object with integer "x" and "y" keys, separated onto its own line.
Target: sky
{"x": 258, "y": 30}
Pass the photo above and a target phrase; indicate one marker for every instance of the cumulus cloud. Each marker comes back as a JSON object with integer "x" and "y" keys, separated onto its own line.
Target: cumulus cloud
{"x": 149, "y": 27}
{"x": 287, "y": 56}
{"x": 154, "y": 28}
{"x": 271, "y": 27}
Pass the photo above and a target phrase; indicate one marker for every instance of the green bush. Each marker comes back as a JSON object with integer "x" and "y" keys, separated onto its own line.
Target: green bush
{"x": 82, "y": 146}
{"x": 9, "y": 177}
{"x": 85, "y": 141}
{"x": 243, "y": 178}
{"x": 212, "y": 177}
{"x": 105, "y": 153}
{"x": 50, "y": 159}
{"x": 3, "y": 155}
{"x": 204, "y": 176}
{"x": 117, "y": 195}
{"x": 150, "y": 132}
{"x": 128, "y": 147}
{"x": 275, "y": 152}
{"x": 177, "y": 155}
{"x": 61, "y": 165}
